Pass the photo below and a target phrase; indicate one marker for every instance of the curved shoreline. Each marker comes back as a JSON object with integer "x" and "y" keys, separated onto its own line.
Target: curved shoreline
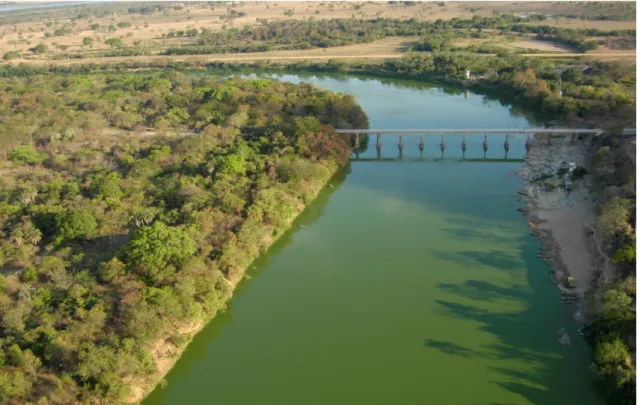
{"x": 166, "y": 354}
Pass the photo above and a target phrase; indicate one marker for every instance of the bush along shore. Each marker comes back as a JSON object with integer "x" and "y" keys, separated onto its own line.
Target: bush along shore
{"x": 130, "y": 207}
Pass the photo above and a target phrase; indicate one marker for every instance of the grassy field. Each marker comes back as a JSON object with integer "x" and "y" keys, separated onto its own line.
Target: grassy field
{"x": 62, "y": 33}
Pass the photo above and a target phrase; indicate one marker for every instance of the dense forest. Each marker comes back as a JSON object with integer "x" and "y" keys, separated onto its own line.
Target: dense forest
{"x": 130, "y": 205}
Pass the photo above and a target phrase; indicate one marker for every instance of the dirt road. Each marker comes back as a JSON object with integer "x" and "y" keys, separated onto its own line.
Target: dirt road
{"x": 292, "y": 56}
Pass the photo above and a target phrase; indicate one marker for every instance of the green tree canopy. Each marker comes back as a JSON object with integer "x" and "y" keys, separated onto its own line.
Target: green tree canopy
{"x": 114, "y": 42}
{"x": 39, "y": 49}
{"x": 231, "y": 164}
{"x": 156, "y": 252}
{"x": 11, "y": 55}
{"x": 75, "y": 224}
{"x": 26, "y": 155}
{"x": 105, "y": 186}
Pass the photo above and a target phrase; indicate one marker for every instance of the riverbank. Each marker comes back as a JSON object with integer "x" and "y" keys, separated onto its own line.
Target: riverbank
{"x": 557, "y": 218}
{"x": 166, "y": 352}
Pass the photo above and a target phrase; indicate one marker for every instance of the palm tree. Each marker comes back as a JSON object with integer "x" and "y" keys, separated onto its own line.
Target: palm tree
{"x": 16, "y": 236}
{"x": 143, "y": 217}
{"x": 30, "y": 233}
{"x": 26, "y": 232}
{"x": 28, "y": 195}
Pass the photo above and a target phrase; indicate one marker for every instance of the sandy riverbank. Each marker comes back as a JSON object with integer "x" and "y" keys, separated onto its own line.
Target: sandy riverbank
{"x": 559, "y": 219}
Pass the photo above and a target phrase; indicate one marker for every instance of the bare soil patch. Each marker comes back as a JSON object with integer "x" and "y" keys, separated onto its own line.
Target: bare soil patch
{"x": 574, "y": 23}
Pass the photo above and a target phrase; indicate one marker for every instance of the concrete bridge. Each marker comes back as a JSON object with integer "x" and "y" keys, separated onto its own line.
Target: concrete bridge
{"x": 473, "y": 131}
{"x": 399, "y": 159}
{"x": 480, "y": 131}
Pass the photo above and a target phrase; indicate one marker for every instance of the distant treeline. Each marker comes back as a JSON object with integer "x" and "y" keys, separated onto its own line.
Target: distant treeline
{"x": 297, "y": 34}
{"x": 598, "y": 94}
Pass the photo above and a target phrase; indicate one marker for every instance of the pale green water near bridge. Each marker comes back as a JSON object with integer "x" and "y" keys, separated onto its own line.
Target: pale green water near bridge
{"x": 410, "y": 282}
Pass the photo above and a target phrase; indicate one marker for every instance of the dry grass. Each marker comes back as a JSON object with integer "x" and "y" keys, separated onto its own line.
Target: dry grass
{"x": 22, "y": 36}
{"x": 517, "y": 43}
{"x": 537, "y": 45}
{"x": 198, "y": 15}
{"x": 600, "y": 25}
{"x": 389, "y": 48}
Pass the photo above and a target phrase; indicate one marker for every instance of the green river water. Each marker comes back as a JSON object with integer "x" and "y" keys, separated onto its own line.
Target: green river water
{"x": 409, "y": 281}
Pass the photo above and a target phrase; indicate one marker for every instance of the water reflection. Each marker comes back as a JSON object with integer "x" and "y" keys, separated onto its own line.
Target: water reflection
{"x": 512, "y": 148}
{"x": 488, "y": 96}
{"x": 356, "y": 155}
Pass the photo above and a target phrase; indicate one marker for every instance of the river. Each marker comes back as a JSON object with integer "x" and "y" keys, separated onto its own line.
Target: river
{"x": 408, "y": 281}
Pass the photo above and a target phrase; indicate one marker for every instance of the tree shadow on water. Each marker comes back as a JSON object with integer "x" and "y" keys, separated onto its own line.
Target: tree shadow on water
{"x": 451, "y": 348}
{"x": 474, "y": 258}
{"x": 474, "y": 235}
{"x": 548, "y": 373}
{"x": 485, "y": 291}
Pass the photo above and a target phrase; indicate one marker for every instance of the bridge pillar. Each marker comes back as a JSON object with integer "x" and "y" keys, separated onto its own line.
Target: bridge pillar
{"x": 464, "y": 146}
{"x": 357, "y": 143}
{"x": 378, "y": 153}
{"x": 378, "y": 141}
{"x": 573, "y": 138}
{"x": 400, "y": 142}
{"x": 421, "y": 146}
{"x": 485, "y": 145}
{"x": 442, "y": 144}
{"x": 528, "y": 143}
{"x": 506, "y": 144}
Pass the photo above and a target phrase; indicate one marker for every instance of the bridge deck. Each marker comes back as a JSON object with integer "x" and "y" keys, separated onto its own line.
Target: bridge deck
{"x": 473, "y": 131}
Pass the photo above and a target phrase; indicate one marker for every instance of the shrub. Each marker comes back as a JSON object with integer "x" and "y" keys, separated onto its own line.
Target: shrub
{"x": 11, "y": 55}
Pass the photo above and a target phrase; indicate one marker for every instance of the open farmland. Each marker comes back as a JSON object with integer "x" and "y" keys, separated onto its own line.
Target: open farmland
{"x": 87, "y": 30}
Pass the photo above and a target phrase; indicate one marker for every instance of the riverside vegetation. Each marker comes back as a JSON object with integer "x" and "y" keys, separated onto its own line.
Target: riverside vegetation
{"x": 117, "y": 242}
{"x": 612, "y": 329}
